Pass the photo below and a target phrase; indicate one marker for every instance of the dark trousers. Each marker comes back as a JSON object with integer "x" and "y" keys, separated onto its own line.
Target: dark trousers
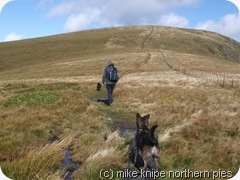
{"x": 110, "y": 88}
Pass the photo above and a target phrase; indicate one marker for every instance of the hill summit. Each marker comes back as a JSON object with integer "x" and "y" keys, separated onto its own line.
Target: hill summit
{"x": 116, "y": 41}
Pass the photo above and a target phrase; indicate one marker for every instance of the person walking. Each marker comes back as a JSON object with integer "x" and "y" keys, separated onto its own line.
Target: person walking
{"x": 110, "y": 78}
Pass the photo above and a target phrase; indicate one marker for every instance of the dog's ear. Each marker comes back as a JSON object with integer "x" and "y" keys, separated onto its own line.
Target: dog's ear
{"x": 147, "y": 116}
{"x": 138, "y": 118}
{"x": 146, "y": 119}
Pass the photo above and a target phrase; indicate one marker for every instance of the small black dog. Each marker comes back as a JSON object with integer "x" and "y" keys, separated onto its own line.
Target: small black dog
{"x": 99, "y": 86}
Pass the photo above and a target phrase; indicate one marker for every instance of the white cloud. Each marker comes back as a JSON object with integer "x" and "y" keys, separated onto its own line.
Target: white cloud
{"x": 173, "y": 20}
{"x": 82, "y": 20}
{"x": 64, "y": 8}
{"x": 229, "y": 25}
{"x": 86, "y": 14}
{"x": 13, "y": 37}
{"x": 43, "y": 3}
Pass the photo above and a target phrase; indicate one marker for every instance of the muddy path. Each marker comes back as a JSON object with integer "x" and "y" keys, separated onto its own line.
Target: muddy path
{"x": 126, "y": 128}
{"x": 68, "y": 165}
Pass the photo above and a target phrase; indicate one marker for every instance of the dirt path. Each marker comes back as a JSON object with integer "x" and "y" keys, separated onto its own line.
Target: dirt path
{"x": 148, "y": 37}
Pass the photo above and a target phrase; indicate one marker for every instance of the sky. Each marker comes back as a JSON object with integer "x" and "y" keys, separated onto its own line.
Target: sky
{"x": 23, "y": 19}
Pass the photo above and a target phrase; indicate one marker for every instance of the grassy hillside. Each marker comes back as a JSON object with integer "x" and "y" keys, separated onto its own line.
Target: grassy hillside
{"x": 27, "y": 56}
{"x": 48, "y": 91}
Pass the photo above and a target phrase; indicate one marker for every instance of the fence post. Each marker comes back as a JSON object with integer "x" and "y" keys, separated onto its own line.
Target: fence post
{"x": 234, "y": 75}
{"x": 224, "y": 79}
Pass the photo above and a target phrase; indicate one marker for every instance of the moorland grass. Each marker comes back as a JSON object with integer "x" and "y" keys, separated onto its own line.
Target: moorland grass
{"x": 42, "y": 162}
{"x": 50, "y": 92}
{"x": 37, "y": 124}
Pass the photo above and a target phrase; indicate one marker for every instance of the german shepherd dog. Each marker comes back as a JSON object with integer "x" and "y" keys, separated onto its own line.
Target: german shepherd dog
{"x": 147, "y": 142}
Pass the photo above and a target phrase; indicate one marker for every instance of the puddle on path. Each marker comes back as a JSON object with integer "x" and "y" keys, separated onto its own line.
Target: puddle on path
{"x": 68, "y": 165}
{"x": 126, "y": 128}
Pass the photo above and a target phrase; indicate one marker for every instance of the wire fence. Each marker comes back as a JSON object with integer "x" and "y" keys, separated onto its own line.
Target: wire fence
{"x": 223, "y": 79}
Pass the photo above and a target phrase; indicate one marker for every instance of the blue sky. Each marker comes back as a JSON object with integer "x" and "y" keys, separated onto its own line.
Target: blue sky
{"x": 23, "y": 19}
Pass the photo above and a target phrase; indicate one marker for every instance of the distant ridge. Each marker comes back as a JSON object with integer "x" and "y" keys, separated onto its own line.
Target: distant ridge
{"x": 116, "y": 40}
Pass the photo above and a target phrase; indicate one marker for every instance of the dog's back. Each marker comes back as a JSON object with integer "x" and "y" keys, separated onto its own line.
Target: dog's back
{"x": 150, "y": 150}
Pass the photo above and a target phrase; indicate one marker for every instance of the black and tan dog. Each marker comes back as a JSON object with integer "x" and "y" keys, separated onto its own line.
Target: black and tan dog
{"x": 146, "y": 143}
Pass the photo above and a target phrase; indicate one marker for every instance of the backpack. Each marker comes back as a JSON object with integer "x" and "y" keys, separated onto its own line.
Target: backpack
{"x": 113, "y": 74}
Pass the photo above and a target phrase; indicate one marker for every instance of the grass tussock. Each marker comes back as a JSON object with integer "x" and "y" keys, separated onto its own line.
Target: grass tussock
{"x": 109, "y": 154}
{"x": 38, "y": 163}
